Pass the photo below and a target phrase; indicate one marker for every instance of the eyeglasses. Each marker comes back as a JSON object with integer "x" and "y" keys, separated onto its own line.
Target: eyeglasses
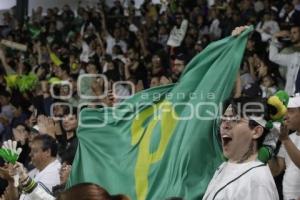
{"x": 232, "y": 120}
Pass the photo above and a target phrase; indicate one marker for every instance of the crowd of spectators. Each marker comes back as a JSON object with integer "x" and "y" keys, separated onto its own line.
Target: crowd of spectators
{"x": 64, "y": 59}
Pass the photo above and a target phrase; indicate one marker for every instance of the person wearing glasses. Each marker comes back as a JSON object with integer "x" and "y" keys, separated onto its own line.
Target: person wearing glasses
{"x": 243, "y": 176}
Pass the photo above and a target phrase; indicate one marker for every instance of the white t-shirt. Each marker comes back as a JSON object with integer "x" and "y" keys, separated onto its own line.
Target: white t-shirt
{"x": 267, "y": 92}
{"x": 177, "y": 34}
{"x": 48, "y": 177}
{"x": 256, "y": 184}
{"x": 291, "y": 178}
{"x": 40, "y": 194}
{"x": 111, "y": 42}
{"x": 291, "y": 61}
{"x": 267, "y": 29}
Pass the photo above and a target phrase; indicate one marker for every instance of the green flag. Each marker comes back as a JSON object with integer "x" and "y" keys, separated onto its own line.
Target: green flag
{"x": 162, "y": 142}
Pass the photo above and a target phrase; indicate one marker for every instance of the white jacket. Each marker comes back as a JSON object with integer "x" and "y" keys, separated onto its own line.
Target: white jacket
{"x": 267, "y": 29}
{"x": 39, "y": 193}
{"x": 292, "y": 61}
{"x": 48, "y": 177}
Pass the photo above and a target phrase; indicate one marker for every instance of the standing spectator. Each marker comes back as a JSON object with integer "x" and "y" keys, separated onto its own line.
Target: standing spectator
{"x": 179, "y": 30}
{"x": 242, "y": 176}
{"x": 286, "y": 12}
{"x": 67, "y": 141}
{"x": 288, "y": 156}
{"x": 214, "y": 29}
{"x": 296, "y": 14}
{"x": 294, "y": 39}
{"x": 292, "y": 61}
{"x": 267, "y": 27}
{"x": 112, "y": 40}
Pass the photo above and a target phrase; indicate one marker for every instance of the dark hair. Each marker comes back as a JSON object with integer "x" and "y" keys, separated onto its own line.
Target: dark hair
{"x": 48, "y": 142}
{"x": 238, "y": 104}
{"x": 253, "y": 109}
{"x": 89, "y": 191}
{"x": 295, "y": 26}
{"x": 44, "y": 66}
{"x": 260, "y": 140}
{"x": 21, "y": 124}
{"x": 5, "y": 93}
{"x": 181, "y": 56}
{"x": 252, "y": 90}
{"x": 65, "y": 68}
{"x": 27, "y": 67}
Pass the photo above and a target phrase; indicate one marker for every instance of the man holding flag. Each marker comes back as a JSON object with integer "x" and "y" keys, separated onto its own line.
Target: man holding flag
{"x": 162, "y": 142}
{"x": 243, "y": 176}
{"x": 243, "y": 130}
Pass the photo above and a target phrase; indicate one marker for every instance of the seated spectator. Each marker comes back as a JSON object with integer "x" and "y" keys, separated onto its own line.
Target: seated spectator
{"x": 268, "y": 86}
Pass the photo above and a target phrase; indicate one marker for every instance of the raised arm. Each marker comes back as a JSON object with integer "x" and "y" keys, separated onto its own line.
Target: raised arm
{"x": 30, "y": 187}
{"x": 291, "y": 149}
{"x": 142, "y": 43}
{"x": 274, "y": 55}
{"x": 277, "y": 165}
{"x": 103, "y": 23}
{"x": 8, "y": 69}
{"x": 238, "y": 87}
{"x": 39, "y": 52}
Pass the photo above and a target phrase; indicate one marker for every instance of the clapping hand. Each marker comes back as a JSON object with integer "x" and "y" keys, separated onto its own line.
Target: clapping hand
{"x": 10, "y": 153}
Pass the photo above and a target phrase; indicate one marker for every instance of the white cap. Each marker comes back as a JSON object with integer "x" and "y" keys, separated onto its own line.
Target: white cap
{"x": 36, "y": 127}
{"x": 260, "y": 120}
{"x": 294, "y": 102}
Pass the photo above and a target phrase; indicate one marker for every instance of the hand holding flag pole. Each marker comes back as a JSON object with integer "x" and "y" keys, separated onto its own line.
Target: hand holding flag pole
{"x": 277, "y": 108}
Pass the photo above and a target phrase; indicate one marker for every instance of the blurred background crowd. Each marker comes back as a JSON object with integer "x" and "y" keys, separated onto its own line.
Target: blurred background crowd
{"x": 60, "y": 60}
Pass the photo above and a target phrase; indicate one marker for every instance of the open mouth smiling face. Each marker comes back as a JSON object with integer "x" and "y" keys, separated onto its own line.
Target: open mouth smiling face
{"x": 234, "y": 133}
